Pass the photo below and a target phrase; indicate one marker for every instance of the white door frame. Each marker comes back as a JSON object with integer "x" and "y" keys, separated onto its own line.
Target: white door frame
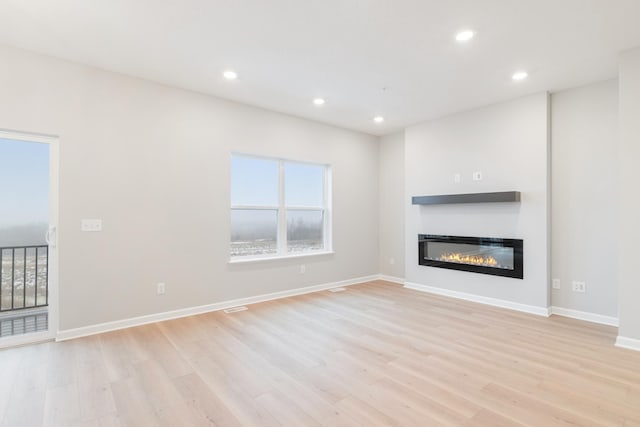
{"x": 52, "y": 300}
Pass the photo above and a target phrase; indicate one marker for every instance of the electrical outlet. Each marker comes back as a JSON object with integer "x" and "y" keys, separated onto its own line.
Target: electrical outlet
{"x": 477, "y": 176}
{"x": 161, "y": 288}
{"x": 392, "y": 261}
{"x": 457, "y": 178}
{"x": 303, "y": 269}
{"x": 91, "y": 225}
{"x": 555, "y": 283}
{"x": 579, "y": 287}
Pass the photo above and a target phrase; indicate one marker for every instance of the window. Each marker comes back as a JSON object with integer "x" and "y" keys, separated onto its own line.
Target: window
{"x": 278, "y": 208}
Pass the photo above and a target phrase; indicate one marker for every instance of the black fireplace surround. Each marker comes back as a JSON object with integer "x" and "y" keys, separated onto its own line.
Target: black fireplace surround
{"x": 486, "y": 255}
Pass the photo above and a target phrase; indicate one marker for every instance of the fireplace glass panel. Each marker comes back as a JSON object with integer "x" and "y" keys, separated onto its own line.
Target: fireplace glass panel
{"x": 486, "y": 255}
{"x": 470, "y": 254}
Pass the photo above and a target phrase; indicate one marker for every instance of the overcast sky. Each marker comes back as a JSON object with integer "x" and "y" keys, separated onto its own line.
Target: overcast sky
{"x": 24, "y": 183}
{"x": 254, "y": 181}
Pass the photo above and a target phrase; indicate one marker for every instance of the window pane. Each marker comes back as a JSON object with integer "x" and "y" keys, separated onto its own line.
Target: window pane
{"x": 304, "y": 230}
{"x": 254, "y": 182}
{"x": 254, "y": 232}
{"x": 304, "y": 184}
{"x": 24, "y": 193}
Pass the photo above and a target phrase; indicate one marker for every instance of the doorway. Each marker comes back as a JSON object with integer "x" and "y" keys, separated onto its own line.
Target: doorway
{"x": 28, "y": 237}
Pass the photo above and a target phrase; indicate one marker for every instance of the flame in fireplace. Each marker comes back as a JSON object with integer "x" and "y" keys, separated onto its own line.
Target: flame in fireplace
{"x": 487, "y": 261}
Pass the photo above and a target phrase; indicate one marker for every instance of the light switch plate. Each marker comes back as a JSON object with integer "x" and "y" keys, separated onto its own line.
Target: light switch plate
{"x": 91, "y": 225}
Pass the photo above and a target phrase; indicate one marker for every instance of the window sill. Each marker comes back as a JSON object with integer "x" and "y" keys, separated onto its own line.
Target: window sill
{"x": 279, "y": 257}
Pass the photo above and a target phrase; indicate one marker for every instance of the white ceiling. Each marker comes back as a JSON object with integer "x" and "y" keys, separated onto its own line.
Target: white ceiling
{"x": 287, "y": 52}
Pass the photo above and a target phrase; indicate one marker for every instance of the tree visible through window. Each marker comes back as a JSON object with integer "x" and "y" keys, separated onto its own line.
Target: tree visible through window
{"x": 278, "y": 207}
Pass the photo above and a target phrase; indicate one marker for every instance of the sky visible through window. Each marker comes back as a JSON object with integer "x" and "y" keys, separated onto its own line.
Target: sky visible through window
{"x": 303, "y": 185}
{"x": 255, "y": 186}
{"x": 254, "y": 182}
{"x": 24, "y": 192}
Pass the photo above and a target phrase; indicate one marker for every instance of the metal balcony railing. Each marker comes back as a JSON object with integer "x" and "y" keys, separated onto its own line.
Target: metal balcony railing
{"x": 24, "y": 273}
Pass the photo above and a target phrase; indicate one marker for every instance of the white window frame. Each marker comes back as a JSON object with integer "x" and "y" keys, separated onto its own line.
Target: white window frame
{"x": 282, "y": 208}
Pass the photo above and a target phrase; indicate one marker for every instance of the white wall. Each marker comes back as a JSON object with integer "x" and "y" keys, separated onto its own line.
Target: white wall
{"x": 153, "y": 163}
{"x": 508, "y": 143}
{"x": 584, "y": 158}
{"x": 629, "y": 154}
{"x": 391, "y": 187}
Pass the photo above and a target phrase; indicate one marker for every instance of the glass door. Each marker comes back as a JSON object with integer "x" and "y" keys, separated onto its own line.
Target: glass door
{"x": 27, "y": 237}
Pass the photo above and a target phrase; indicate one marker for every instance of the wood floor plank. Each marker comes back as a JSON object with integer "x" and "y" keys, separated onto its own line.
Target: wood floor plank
{"x": 364, "y": 413}
{"x": 9, "y": 370}
{"x": 376, "y": 354}
{"x": 26, "y": 403}
{"x": 204, "y": 401}
{"x": 284, "y": 410}
{"x": 134, "y": 409}
{"x": 61, "y": 406}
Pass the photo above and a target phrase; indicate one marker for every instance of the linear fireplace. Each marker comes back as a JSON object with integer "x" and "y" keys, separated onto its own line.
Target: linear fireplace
{"x": 486, "y": 255}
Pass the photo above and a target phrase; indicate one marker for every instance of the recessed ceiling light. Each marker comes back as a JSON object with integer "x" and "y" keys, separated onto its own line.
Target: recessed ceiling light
{"x": 465, "y": 36}
{"x": 318, "y": 101}
{"x": 520, "y": 75}
{"x": 230, "y": 75}
{"x": 378, "y": 119}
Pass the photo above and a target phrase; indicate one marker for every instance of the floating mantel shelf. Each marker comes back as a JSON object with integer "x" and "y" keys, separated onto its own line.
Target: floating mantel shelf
{"x": 443, "y": 199}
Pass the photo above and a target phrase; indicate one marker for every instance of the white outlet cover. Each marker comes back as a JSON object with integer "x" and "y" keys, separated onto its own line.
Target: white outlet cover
{"x": 579, "y": 286}
{"x": 457, "y": 178}
{"x": 303, "y": 269}
{"x": 555, "y": 283}
{"x": 91, "y": 225}
{"x": 477, "y": 176}
{"x": 161, "y": 288}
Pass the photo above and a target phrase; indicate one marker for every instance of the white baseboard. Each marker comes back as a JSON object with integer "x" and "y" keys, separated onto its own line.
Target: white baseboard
{"x": 391, "y": 279}
{"x": 532, "y": 309}
{"x": 630, "y": 343}
{"x": 190, "y": 311}
{"x": 584, "y": 315}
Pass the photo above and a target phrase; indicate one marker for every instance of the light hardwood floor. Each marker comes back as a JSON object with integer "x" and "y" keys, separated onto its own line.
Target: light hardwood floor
{"x": 376, "y": 354}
